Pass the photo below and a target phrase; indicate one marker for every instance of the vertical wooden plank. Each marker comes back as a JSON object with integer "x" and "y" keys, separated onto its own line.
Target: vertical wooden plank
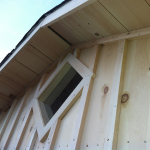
{"x": 67, "y": 127}
{"x": 42, "y": 81}
{"x": 89, "y": 57}
{"x": 78, "y": 130}
{"x": 38, "y": 117}
{"x": 52, "y": 136}
{"x": 41, "y": 105}
{"x": 60, "y": 60}
{"x": 96, "y": 51}
{"x": 77, "y": 53}
{"x": 134, "y": 127}
{"x": 13, "y": 124}
{"x": 63, "y": 57}
{"x": 117, "y": 120}
{"x": 22, "y": 129}
{"x": 7, "y": 118}
{"x": 32, "y": 139}
{"x": 110, "y": 141}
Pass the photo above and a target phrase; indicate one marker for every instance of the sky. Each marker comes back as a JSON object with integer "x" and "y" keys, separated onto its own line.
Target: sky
{"x": 17, "y": 17}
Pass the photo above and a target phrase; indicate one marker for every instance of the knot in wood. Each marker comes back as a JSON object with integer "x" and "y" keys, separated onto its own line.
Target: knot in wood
{"x": 11, "y": 96}
{"x": 106, "y": 88}
{"x": 96, "y": 34}
{"x": 124, "y": 98}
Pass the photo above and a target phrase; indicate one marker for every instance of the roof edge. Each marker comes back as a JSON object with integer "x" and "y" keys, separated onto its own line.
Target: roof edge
{"x": 32, "y": 28}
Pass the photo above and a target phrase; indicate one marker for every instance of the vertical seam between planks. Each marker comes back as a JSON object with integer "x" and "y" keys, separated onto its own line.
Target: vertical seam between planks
{"x": 112, "y": 15}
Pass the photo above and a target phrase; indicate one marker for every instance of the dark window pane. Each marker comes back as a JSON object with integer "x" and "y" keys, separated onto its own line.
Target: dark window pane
{"x": 62, "y": 91}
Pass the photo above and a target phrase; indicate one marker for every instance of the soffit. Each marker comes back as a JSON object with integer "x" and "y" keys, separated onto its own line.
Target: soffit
{"x": 103, "y": 17}
{"x": 37, "y": 55}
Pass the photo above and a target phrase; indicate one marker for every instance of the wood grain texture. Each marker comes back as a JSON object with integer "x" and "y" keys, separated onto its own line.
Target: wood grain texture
{"x": 2, "y": 119}
{"x": 28, "y": 130}
{"x": 133, "y": 126}
{"x": 132, "y": 35}
{"x": 21, "y": 132}
{"x": 66, "y": 32}
{"x": 83, "y": 71}
{"x": 33, "y": 138}
{"x": 96, "y": 120}
{"x": 15, "y": 117}
{"x": 110, "y": 140}
{"x": 80, "y": 27}
{"x": 135, "y": 115}
{"x": 49, "y": 43}
{"x": 41, "y": 83}
{"x": 100, "y": 19}
{"x": 66, "y": 127}
{"x": 19, "y": 73}
{"x": 34, "y": 59}
{"x": 6, "y": 116}
{"x": 66, "y": 10}
{"x": 52, "y": 136}
{"x": 86, "y": 56}
{"x": 81, "y": 115}
{"x": 76, "y": 53}
{"x": 9, "y": 87}
{"x": 4, "y": 100}
{"x": 89, "y": 57}
{"x": 132, "y": 14}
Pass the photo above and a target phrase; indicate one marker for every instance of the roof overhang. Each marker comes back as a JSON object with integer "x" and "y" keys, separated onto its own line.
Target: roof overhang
{"x": 70, "y": 26}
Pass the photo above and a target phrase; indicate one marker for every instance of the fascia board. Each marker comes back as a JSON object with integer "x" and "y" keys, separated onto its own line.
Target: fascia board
{"x": 65, "y": 11}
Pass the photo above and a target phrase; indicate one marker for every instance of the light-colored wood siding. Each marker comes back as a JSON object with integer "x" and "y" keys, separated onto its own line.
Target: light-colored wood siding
{"x": 121, "y": 130}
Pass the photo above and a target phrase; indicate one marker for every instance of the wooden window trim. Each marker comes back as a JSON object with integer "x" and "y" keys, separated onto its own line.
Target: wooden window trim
{"x": 86, "y": 74}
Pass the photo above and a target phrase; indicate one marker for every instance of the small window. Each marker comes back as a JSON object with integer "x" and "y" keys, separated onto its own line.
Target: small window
{"x": 60, "y": 88}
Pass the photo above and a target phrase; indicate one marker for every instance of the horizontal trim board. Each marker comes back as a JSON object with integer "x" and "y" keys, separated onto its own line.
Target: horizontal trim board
{"x": 136, "y": 34}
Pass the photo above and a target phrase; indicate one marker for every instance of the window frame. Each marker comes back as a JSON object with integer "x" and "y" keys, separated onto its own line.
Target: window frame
{"x": 85, "y": 73}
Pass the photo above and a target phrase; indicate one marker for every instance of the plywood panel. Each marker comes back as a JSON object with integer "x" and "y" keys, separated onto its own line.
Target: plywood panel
{"x": 99, "y": 18}
{"x": 67, "y": 127}
{"x": 19, "y": 73}
{"x": 134, "y": 129}
{"x": 9, "y": 87}
{"x": 133, "y": 14}
{"x": 34, "y": 59}
{"x": 96, "y": 120}
{"x": 49, "y": 43}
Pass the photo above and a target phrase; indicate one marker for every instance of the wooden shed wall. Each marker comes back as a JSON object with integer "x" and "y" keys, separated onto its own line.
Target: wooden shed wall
{"x": 123, "y": 67}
